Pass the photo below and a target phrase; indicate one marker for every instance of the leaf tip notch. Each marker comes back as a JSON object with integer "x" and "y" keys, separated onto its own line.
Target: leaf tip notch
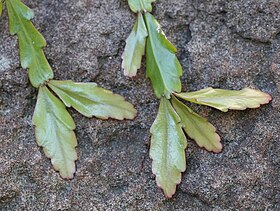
{"x": 264, "y": 98}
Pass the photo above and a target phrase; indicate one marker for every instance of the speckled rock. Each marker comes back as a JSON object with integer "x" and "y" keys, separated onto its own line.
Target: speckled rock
{"x": 227, "y": 44}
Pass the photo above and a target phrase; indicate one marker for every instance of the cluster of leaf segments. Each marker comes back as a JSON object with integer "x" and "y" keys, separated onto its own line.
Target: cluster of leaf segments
{"x": 54, "y": 125}
{"x": 168, "y": 141}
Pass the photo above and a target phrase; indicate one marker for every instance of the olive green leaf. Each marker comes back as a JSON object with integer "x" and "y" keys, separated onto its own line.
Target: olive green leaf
{"x": 30, "y": 42}
{"x": 227, "y": 99}
{"x": 54, "y": 132}
{"x": 168, "y": 144}
{"x": 1, "y": 7}
{"x": 135, "y": 47}
{"x": 91, "y": 100}
{"x": 141, "y": 5}
{"x": 197, "y": 127}
{"x": 163, "y": 67}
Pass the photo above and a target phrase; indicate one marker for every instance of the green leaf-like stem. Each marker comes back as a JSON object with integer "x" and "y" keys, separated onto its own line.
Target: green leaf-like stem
{"x": 91, "y": 100}
{"x": 54, "y": 132}
{"x": 135, "y": 47}
{"x": 1, "y": 7}
{"x": 227, "y": 99}
{"x": 163, "y": 67}
{"x": 197, "y": 127}
{"x": 168, "y": 144}
{"x": 141, "y": 5}
{"x": 31, "y": 42}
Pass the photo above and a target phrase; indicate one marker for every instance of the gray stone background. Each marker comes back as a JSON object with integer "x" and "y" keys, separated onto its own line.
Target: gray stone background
{"x": 224, "y": 44}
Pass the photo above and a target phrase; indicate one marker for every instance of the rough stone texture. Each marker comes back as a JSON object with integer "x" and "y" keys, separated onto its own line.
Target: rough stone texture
{"x": 227, "y": 44}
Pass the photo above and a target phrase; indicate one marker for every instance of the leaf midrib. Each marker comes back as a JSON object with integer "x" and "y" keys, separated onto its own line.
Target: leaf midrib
{"x": 198, "y": 98}
{"x": 152, "y": 45}
{"x": 51, "y": 108}
{"x": 166, "y": 164}
{"x": 72, "y": 94}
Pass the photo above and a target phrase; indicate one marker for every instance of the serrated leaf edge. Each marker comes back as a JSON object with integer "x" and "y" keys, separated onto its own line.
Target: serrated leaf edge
{"x": 178, "y": 120}
{"x": 41, "y": 91}
{"x": 267, "y": 98}
{"x": 133, "y": 110}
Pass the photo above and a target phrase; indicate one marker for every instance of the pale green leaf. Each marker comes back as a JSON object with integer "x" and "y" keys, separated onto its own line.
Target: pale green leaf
{"x": 163, "y": 67}
{"x": 54, "y": 132}
{"x": 31, "y": 42}
{"x": 141, "y": 5}
{"x": 91, "y": 100}
{"x": 198, "y": 128}
{"x": 135, "y": 47}
{"x": 227, "y": 99}
{"x": 168, "y": 144}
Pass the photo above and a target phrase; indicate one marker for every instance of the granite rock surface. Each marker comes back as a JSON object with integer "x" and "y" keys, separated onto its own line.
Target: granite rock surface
{"x": 227, "y": 44}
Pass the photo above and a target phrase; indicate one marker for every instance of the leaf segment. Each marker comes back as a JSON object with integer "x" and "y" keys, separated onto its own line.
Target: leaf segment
{"x": 53, "y": 124}
{"x": 168, "y": 141}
